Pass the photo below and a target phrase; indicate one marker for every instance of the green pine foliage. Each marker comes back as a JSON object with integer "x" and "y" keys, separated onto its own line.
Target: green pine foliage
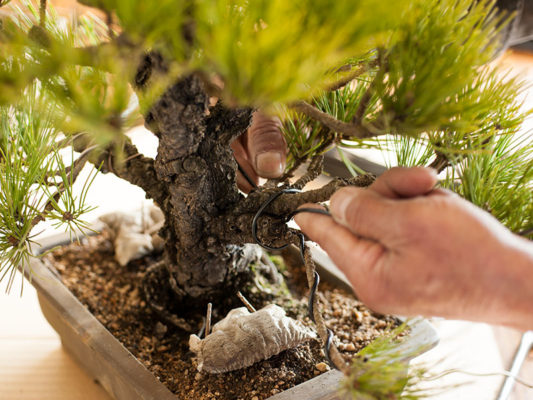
{"x": 35, "y": 181}
{"x": 431, "y": 75}
{"x": 415, "y": 72}
{"x": 499, "y": 178}
{"x": 150, "y": 25}
{"x": 89, "y": 88}
{"x": 379, "y": 371}
{"x": 434, "y": 96}
{"x": 25, "y": 145}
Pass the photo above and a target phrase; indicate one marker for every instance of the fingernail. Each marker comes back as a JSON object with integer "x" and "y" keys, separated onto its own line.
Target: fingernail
{"x": 269, "y": 164}
{"x": 339, "y": 204}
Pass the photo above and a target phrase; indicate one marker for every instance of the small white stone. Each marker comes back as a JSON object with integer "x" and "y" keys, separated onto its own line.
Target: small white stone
{"x": 322, "y": 367}
{"x": 349, "y": 347}
{"x": 358, "y": 315}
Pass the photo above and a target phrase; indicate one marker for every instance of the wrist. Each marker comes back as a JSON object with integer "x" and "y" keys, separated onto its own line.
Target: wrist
{"x": 516, "y": 283}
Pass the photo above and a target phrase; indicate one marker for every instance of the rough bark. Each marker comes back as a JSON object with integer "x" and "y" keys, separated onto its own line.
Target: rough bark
{"x": 196, "y": 164}
{"x": 235, "y": 225}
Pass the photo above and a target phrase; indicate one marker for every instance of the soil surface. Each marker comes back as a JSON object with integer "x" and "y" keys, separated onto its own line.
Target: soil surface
{"x": 114, "y": 295}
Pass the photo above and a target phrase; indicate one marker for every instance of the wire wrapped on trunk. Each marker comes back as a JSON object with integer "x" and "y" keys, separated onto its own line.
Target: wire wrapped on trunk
{"x": 313, "y": 279}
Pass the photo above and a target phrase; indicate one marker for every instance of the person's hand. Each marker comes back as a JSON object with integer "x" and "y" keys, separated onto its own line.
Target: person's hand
{"x": 410, "y": 249}
{"x": 261, "y": 151}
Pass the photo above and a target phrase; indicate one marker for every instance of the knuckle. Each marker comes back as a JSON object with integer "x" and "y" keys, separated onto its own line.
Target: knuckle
{"x": 267, "y": 140}
{"x": 423, "y": 218}
{"x": 414, "y": 222}
{"x": 356, "y": 211}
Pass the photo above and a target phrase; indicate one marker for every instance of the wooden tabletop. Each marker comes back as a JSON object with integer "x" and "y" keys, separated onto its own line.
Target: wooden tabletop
{"x": 33, "y": 365}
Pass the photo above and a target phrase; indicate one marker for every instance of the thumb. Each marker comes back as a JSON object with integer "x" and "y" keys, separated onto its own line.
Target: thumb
{"x": 267, "y": 148}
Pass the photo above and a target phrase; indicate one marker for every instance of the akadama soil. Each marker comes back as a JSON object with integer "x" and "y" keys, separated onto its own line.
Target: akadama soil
{"x": 114, "y": 295}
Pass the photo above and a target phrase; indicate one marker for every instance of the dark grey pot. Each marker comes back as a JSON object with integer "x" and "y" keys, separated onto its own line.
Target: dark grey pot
{"x": 123, "y": 376}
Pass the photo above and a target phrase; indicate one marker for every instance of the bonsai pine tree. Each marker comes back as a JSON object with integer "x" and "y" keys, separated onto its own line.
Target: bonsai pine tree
{"x": 407, "y": 76}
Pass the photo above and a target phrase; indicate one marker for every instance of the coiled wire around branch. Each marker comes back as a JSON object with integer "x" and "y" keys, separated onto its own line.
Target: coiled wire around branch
{"x": 313, "y": 278}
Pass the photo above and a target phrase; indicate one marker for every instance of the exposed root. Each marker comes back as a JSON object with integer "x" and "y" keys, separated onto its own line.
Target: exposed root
{"x": 156, "y": 295}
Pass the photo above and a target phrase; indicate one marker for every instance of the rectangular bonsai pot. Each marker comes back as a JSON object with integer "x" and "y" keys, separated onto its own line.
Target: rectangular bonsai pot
{"x": 123, "y": 376}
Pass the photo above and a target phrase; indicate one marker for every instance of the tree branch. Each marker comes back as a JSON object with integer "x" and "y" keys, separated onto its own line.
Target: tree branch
{"x": 131, "y": 166}
{"x": 235, "y": 226}
{"x": 42, "y": 13}
{"x": 353, "y": 130}
{"x": 109, "y": 23}
{"x": 352, "y": 75}
{"x": 229, "y": 122}
{"x": 314, "y": 170}
{"x": 134, "y": 168}
{"x": 330, "y": 137}
{"x": 289, "y": 202}
{"x": 73, "y": 173}
{"x": 440, "y": 163}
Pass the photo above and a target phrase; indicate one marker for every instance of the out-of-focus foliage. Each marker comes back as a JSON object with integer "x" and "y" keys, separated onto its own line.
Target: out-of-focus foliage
{"x": 503, "y": 118}
{"x": 280, "y": 50}
{"x": 154, "y": 25}
{"x": 431, "y": 73}
{"x": 426, "y": 77}
{"x": 431, "y": 81}
{"x": 436, "y": 99}
{"x": 89, "y": 85}
{"x": 263, "y": 51}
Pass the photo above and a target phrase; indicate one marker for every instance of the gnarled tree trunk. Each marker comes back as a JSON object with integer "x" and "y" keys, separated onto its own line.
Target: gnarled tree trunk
{"x": 196, "y": 164}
